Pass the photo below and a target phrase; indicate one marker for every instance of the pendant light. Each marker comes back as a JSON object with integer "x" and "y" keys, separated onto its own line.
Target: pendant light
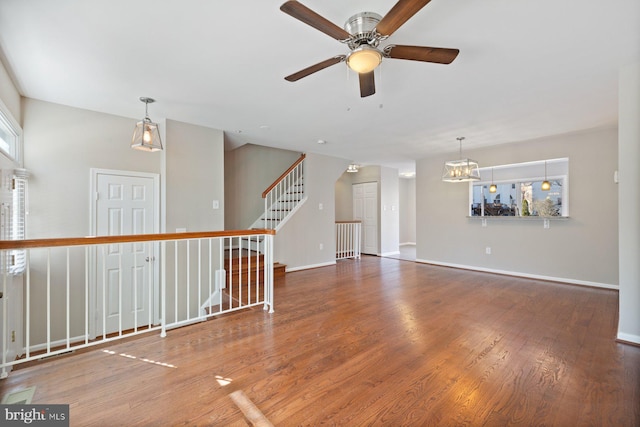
{"x": 461, "y": 170}
{"x": 146, "y": 136}
{"x": 546, "y": 185}
{"x": 492, "y": 188}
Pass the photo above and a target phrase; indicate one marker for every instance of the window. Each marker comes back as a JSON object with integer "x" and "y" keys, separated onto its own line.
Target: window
{"x": 518, "y": 190}
{"x": 10, "y": 134}
{"x": 13, "y": 192}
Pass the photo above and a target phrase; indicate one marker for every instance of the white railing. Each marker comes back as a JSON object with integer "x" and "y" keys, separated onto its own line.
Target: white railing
{"x": 80, "y": 292}
{"x": 283, "y": 196}
{"x": 348, "y": 239}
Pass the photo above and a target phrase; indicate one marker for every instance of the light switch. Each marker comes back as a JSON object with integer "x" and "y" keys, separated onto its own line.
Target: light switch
{"x": 216, "y": 204}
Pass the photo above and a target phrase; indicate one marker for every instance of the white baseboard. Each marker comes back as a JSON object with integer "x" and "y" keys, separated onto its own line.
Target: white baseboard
{"x": 390, "y": 253}
{"x": 634, "y": 339}
{"x": 408, "y": 243}
{"x": 525, "y": 275}
{"x": 307, "y": 267}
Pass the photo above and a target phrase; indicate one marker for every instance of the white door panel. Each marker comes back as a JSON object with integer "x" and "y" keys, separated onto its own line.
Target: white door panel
{"x": 365, "y": 209}
{"x": 125, "y": 205}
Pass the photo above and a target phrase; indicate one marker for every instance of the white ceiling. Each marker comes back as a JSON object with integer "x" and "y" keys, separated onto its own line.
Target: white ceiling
{"x": 526, "y": 69}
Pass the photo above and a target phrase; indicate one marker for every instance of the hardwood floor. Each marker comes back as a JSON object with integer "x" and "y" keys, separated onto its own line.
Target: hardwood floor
{"x": 372, "y": 342}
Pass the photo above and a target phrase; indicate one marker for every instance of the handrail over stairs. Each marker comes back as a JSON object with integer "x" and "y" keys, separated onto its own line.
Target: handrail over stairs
{"x": 99, "y": 240}
{"x": 283, "y": 176}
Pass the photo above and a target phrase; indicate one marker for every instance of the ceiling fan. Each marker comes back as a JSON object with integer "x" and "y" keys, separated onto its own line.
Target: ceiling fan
{"x": 363, "y": 33}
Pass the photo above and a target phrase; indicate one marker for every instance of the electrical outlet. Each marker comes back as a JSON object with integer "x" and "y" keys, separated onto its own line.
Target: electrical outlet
{"x": 487, "y": 250}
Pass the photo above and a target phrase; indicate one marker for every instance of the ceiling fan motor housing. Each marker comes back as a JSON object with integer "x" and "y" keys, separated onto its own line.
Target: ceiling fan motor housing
{"x": 361, "y": 26}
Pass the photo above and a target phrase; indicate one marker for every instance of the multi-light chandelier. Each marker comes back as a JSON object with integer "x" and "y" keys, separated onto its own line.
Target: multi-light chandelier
{"x": 461, "y": 170}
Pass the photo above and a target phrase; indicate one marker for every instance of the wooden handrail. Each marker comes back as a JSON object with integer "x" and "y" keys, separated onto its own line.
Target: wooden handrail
{"x": 349, "y": 222}
{"x": 98, "y": 240}
{"x": 277, "y": 181}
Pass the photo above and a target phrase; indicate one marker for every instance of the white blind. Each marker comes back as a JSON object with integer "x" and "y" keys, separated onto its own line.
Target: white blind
{"x": 17, "y": 261}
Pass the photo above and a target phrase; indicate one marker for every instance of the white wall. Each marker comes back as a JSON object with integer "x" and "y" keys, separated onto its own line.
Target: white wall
{"x": 407, "y": 203}
{"x": 583, "y": 249}
{"x": 629, "y": 203}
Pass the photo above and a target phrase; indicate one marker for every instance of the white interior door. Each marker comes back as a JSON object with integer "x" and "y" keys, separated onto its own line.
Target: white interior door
{"x": 365, "y": 209}
{"x": 126, "y": 203}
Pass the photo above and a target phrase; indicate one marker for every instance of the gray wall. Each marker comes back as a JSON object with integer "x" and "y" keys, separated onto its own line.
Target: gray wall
{"x": 9, "y": 95}
{"x": 407, "y": 206}
{"x": 344, "y": 198}
{"x": 389, "y": 211}
{"x": 297, "y": 244}
{"x": 629, "y": 187}
{"x": 248, "y": 171}
{"x": 583, "y": 249}
{"x": 388, "y": 203}
{"x": 61, "y": 145}
{"x": 194, "y": 175}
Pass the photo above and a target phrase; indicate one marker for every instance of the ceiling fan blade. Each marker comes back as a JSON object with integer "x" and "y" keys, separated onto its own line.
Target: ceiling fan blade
{"x": 438, "y": 55}
{"x": 367, "y": 84}
{"x": 309, "y": 17}
{"x": 399, "y": 14}
{"x": 317, "y": 67}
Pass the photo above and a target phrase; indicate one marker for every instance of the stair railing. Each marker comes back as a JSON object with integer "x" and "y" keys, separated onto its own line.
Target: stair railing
{"x": 348, "y": 237}
{"x": 284, "y": 195}
{"x": 73, "y": 289}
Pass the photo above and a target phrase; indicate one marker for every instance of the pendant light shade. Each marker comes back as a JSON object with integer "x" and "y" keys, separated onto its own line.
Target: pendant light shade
{"x": 492, "y": 188}
{"x": 546, "y": 185}
{"x": 462, "y": 170}
{"x": 146, "y": 136}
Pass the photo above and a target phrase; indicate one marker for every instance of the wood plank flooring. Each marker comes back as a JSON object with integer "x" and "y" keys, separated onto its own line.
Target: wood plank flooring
{"x": 377, "y": 341}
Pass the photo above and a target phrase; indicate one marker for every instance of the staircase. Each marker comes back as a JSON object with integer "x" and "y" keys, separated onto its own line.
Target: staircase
{"x": 283, "y": 198}
{"x": 281, "y": 201}
{"x": 240, "y": 269}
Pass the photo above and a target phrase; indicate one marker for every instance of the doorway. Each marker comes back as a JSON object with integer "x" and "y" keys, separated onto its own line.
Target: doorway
{"x": 125, "y": 276}
{"x": 365, "y": 209}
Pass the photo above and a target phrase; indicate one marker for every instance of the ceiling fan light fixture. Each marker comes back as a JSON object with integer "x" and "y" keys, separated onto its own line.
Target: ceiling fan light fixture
{"x": 146, "y": 136}
{"x": 364, "y": 59}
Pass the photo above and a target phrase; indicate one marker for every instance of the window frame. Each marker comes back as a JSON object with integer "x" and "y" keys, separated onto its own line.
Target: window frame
{"x": 518, "y": 174}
